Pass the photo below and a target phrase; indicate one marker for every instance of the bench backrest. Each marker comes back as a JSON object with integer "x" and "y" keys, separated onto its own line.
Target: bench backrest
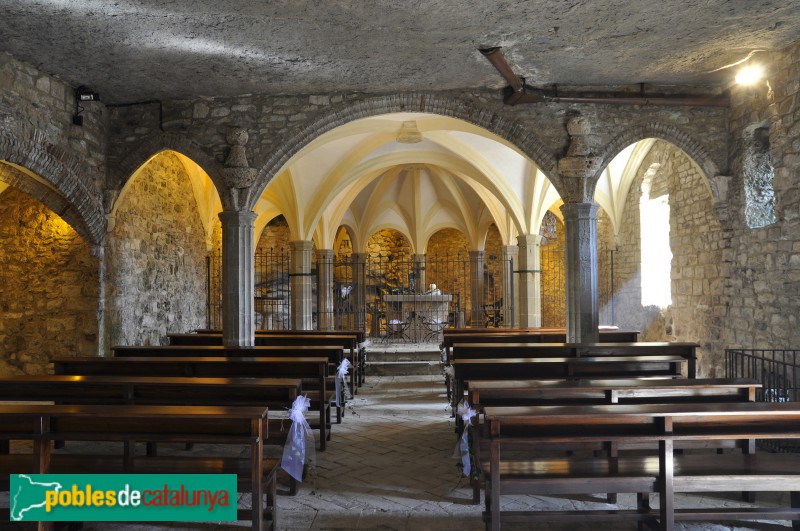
{"x": 334, "y": 353}
{"x": 617, "y": 391}
{"x": 304, "y": 367}
{"x": 262, "y": 392}
{"x": 343, "y": 341}
{"x": 217, "y": 425}
{"x": 473, "y": 350}
{"x": 359, "y": 334}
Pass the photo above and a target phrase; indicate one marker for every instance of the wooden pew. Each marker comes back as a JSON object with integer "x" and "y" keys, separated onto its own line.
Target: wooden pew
{"x": 360, "y": 335}
{"x": 688, "y": 351}
{"x": 273, "y": 393}
{"x": 311, "y": 369}
{"x": 335, "y": 355}
{"x": 347, "y": 343}
{"x": 516, "y": 393}
{"x": 42, "y": 424}
{"x": 525, "y": 335}
{"x": 563, "y": 367}
{"x": 665, "y": 473}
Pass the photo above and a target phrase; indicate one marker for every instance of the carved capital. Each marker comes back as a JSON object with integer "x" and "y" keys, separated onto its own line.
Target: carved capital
{"x": 237, "y": 172}
{"x": 719, "y": 188}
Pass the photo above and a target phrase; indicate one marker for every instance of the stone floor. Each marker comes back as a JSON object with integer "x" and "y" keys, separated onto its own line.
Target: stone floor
{"x": 390, "y": 466}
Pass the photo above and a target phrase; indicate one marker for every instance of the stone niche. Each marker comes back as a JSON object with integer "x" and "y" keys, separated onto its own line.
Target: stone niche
{"x": 156, "y": 257}
{"x": 48, "y": 287}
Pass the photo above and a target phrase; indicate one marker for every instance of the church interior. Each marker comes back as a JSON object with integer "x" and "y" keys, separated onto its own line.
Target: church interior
{"x": 406, "y": 172}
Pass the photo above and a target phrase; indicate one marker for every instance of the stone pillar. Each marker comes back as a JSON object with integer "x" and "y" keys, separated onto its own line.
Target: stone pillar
{"x": 238, "y": 234}
{"x": 578, "y": 170}
{"x": 510, "y": 255}
{"x": 102, "y": 340}
{"x": 300, "y": 284}
{"x": 476, "y": 288}
{"x": 530, "y": 289}
{"x": 325, "y": 259}
{"x": 580, "y": 222}
{"x": 358, "y": 297}
{"x": 419, "y": 272}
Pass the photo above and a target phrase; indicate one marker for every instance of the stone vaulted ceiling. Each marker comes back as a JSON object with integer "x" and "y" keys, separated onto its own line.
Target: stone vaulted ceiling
{"x": 142, "y": 49}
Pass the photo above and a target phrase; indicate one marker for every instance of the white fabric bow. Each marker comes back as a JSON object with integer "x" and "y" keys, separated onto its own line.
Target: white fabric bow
{"x": 462, "y": 448}
{"x": 299, "y": 447}
{"x": 341, "y": 380}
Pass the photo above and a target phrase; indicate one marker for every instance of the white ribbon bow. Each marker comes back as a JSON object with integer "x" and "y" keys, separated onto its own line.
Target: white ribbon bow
{"x": 299, "y": 446}
{"x": 462, "y": 448}
{"x": 341, "y": 380}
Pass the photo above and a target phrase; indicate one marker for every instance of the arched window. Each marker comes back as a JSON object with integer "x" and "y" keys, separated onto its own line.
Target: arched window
{"x": 656, "y": 252}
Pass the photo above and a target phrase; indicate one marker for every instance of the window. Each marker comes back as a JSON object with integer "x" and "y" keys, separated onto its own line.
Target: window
{"x": 655, "y": 248}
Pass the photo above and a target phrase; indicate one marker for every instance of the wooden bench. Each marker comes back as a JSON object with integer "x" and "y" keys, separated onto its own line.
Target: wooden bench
{"x": 665, "y": 473}
{"x": 273, "y": 393}
{"x": 517, "y": 393}
{"x": 335, "y": 355}
{"x": 360, "y": 336}
{"x": 311, "y": 370}
{"x": 452, "y": 336}
{"x": 688, "y": 351}
{"x": 563, "y": 367}
{"x": 347, "y": 343}
{"x": 42, "y": 424}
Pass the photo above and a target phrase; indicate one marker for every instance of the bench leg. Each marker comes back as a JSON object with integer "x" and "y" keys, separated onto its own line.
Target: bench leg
{"x": 795, "y": 501}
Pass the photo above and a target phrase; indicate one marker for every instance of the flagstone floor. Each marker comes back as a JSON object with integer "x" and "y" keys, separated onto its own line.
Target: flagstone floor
{"x": 390, "y": 467}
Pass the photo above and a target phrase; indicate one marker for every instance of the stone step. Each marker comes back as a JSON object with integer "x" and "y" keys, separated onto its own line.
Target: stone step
{"x": 402, "y": 368}
{"x": 385, "y": 355}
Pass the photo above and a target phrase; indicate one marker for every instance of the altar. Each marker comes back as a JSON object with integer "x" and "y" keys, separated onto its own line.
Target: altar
{"x": 416, "y": 316}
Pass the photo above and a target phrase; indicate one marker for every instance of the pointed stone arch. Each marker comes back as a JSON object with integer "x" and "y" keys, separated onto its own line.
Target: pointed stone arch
{"x": 145, "y": 150}
{"x": 526, "y": 140}
{"x": 674, "y": 135}
{"x": 61, "y": 188}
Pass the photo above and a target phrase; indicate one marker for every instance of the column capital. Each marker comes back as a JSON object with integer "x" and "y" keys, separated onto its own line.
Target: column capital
{"x": 240, "y": 218}
{"x": 586, "y": 210}
{"x": 528, "y": 240}
{"x": 477, "y": 254}
{"x": 301, "y": 245}
{"x": 325, "y": 253}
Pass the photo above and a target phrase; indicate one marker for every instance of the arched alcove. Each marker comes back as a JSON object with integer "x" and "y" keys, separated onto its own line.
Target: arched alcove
{"x": 157, "y": 255}
{"x": 50, "y": 282}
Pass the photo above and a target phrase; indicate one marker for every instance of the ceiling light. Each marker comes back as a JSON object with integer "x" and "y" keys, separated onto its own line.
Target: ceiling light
{"x": 750, "y": 75}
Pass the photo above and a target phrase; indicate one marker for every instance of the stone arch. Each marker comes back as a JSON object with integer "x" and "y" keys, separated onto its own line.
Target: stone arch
{"x": 62, "y": 186}
{"x": 145, "y": 150}
{"x": 526, "y": 140}
{"x": 674, "y": 135}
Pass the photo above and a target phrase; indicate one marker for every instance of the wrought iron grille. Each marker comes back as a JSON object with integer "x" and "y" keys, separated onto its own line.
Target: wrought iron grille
{"x": 778, "y": 370}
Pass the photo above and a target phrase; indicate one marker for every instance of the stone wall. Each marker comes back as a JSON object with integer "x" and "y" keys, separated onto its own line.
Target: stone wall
{"x": 697, "y": 312}
{"x": 278, "y": 126}
{"x": 156, "y": 258}
{"x": 763, "y": 292}
{"x": 553, "y": 276}
{"x": 48, "y": 287}
{"x": 36, "y": 131}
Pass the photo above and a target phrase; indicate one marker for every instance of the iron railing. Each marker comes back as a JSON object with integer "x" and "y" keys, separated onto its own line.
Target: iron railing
{"x": 778, "y": 371}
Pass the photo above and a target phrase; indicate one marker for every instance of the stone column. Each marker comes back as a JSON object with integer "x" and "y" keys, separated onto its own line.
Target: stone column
{"x": 476, "y": 268}
{"x": 300, "y": 284}
{"x": 578, "y": 170}
{"x": 419, "y": 272}
{"x": 358, "y": 296}
{"x": 325, "y": 259}
{"x": 238, "y": 234}
{"x": 530, "y": 289}
{"x": 580, "y": 221}
{"x": 102, "y": 340}
{"x": 510, "y": 255}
